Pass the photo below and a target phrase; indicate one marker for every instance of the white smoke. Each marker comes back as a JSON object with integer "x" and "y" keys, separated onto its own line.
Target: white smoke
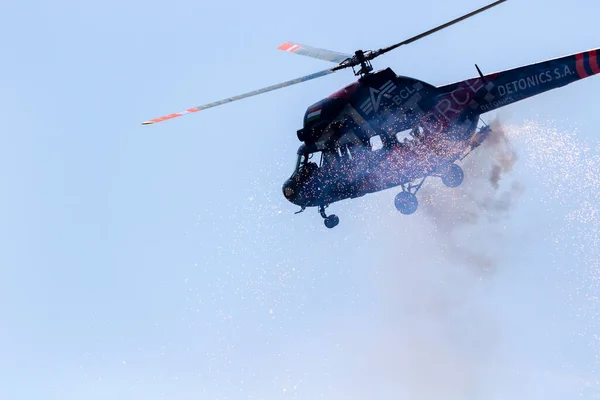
{"x": 486, "y": 197}
{"x": 436, "y": 339}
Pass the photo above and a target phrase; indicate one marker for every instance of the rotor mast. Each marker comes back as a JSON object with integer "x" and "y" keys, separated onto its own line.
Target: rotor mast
{"x": 365, "y": 64}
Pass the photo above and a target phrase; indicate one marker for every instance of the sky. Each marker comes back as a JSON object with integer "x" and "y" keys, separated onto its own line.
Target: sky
{"x": 152, "y": 262}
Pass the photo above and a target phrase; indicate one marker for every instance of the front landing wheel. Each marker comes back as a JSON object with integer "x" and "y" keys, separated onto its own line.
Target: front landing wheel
{"x": 406, "y": 203}
{"x": 331, "y": 221}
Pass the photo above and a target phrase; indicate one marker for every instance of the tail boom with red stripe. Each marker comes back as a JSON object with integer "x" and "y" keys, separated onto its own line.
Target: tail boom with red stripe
{"x": 502, "y": 88}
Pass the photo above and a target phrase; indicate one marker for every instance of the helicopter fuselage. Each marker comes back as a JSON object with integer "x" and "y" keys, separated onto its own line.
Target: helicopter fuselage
{"x": 361, "y": 170}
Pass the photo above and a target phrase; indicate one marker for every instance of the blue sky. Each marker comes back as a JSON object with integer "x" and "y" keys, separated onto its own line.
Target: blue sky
{"x": 150, "y": 262}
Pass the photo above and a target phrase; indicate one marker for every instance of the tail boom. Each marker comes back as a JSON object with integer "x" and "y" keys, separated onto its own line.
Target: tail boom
{"x": 502, "y": 88}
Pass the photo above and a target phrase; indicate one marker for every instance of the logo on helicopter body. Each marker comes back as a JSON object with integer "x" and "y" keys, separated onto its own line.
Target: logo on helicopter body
{"x": 372, "y": 103}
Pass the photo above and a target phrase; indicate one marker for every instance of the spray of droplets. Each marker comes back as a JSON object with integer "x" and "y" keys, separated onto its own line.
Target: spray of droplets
{"x": 569, "y": 168}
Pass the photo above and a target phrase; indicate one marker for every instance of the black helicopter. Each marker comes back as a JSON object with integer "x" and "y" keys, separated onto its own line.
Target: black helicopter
{"x": 440, "y": 124}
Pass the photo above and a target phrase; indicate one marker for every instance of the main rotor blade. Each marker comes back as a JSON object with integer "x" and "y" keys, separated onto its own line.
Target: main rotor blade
{"x": 242, "y": 96}
{"x": 314, "y": 52}
{"x": 436, "y": 29}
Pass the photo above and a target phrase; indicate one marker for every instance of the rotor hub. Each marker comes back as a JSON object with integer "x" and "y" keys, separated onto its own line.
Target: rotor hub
{"x": 365, "y": 63}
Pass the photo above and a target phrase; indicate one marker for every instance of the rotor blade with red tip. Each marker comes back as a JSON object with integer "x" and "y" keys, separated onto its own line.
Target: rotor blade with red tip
{"x": 242, "y": 96}
{"x": 314, "y": 52}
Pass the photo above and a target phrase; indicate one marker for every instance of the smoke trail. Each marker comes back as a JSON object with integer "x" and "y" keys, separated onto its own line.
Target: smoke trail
{"x": 439, "y": 341}
{"x": 486, "y": 197}
{"x": 568, "y": 169}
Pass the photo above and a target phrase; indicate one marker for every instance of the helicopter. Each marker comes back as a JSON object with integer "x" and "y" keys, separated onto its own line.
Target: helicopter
{"x": 422, "y": 130}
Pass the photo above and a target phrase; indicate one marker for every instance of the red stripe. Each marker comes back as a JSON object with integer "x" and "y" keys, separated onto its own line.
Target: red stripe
{"x": 580, "y": 68}
{"x": 285, "y": 46}
{"x": 594, "y": 62}
{"x": 166, "y": 117}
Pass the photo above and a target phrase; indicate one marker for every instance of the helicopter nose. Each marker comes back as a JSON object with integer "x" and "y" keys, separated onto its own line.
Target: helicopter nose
{"x": 290, "y": 190}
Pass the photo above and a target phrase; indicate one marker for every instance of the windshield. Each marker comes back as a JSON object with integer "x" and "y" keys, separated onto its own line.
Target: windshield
{"x": 298, "y": 159}
{"x": 307, "y": 161}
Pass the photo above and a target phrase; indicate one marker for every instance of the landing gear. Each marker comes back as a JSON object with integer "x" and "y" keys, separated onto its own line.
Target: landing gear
{"x": 479, "y": 137}
{"x": 406, "y": 203}
{"x": 454, "y": 176}
{"x": 330, "y": 221}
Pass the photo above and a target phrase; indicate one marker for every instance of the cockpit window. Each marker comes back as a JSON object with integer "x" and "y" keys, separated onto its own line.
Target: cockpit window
{"x": 298, "y": 160}
{"x": 301, "y": 162}
{"x": 307, "y": 163}
{"x": 315, "y": 157}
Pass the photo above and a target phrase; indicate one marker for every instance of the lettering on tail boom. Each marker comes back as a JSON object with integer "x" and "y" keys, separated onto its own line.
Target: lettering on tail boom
{"x": 535, "y": 80}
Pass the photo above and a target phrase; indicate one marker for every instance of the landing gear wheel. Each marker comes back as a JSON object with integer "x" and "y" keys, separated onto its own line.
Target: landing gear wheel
{"x": 406, "y": 203}
{"x": 332, "y": 221}
{"x": 454, "y": 176}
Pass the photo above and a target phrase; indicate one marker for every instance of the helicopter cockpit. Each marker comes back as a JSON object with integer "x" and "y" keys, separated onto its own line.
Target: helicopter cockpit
{"x": 303, "y": 171}
{"x": 305, "y": 162}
